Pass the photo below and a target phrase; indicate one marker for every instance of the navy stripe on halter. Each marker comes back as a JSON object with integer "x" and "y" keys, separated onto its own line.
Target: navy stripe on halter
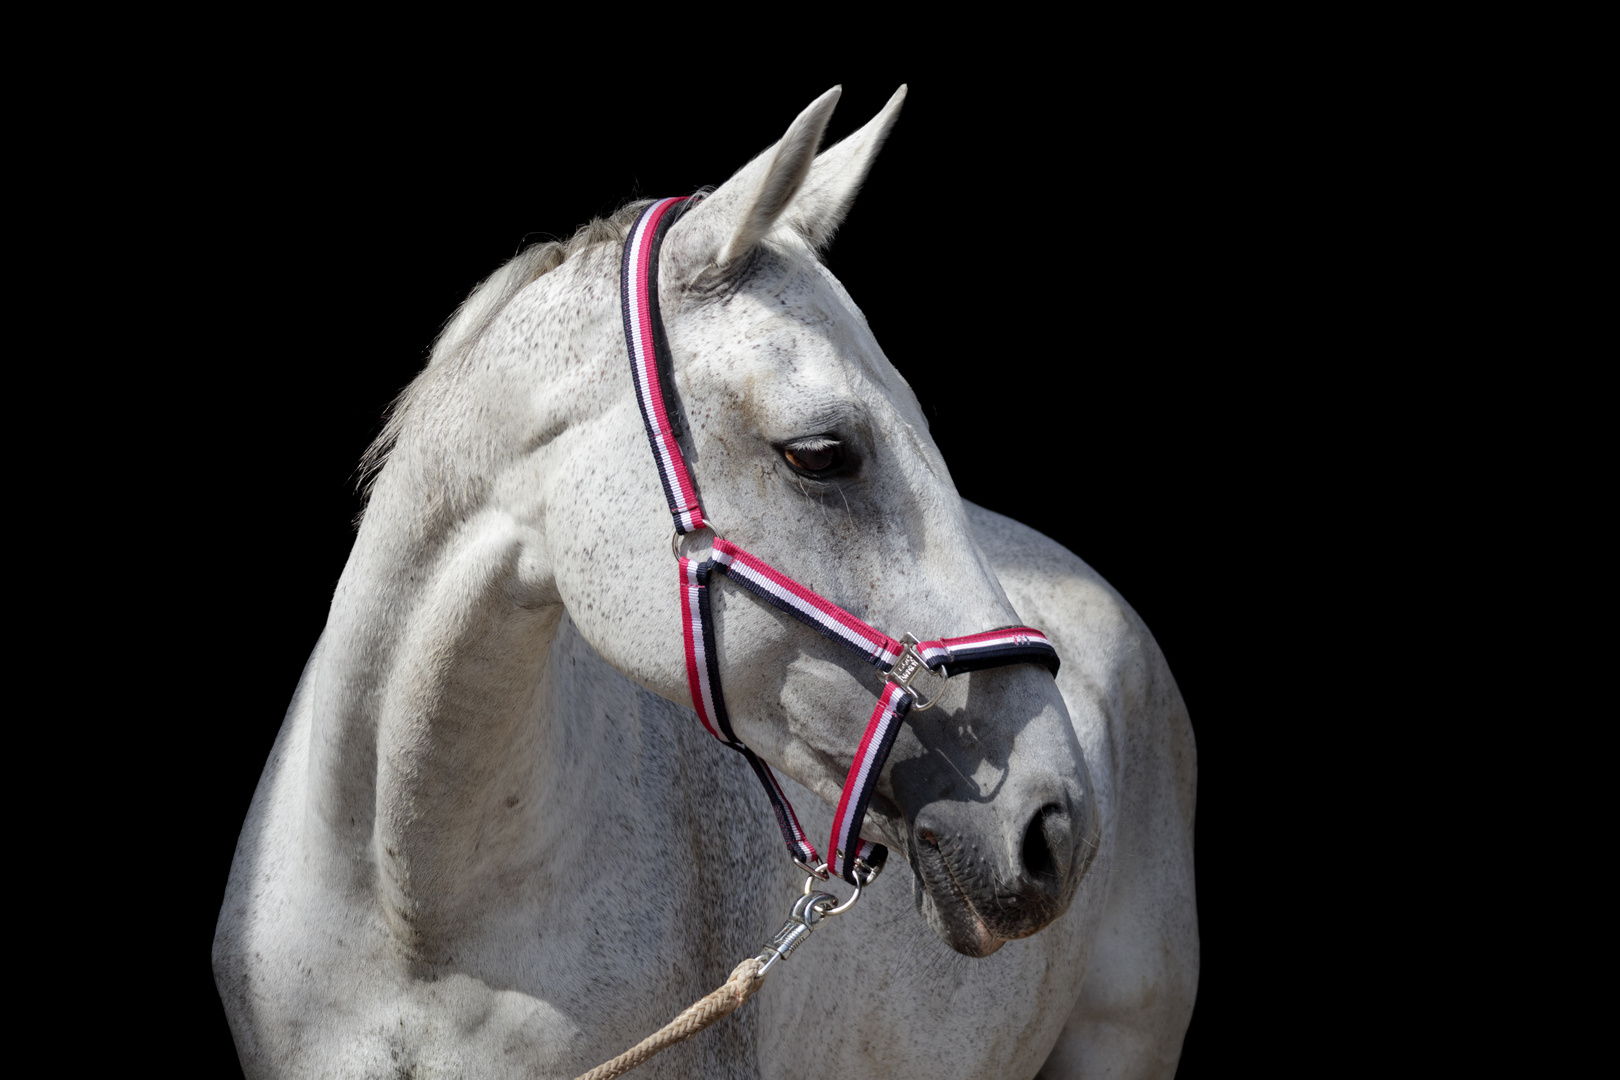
{"x": 782, "y": 592}
{"x": 649, "y": 352}
{"x": 703, "y": 679}
{"x": 1009, "y": 645}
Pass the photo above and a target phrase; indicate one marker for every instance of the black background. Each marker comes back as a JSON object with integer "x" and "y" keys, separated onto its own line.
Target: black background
{"x": 1121, "y": 300}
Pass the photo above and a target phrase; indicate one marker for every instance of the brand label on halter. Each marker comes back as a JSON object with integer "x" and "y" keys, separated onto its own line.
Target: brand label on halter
{"x": 907, "y": 666}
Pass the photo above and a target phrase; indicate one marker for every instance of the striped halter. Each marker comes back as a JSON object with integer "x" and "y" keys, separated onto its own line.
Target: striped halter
{"x": 651, "y": 364}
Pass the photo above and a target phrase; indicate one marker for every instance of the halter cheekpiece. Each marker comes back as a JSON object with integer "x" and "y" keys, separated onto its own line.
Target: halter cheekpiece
{"x": 652, "y": 366}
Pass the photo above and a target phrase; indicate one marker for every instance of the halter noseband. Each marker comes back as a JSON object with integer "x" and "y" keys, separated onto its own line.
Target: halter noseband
{"x": 651, "y": 365}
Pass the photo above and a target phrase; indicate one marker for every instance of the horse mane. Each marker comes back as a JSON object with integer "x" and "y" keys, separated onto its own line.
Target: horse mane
{"x": 468, "y": 323}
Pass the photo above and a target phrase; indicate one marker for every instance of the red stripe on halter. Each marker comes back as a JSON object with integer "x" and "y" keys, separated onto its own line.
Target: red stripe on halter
{"x": 863, "y": 776}
{"x": 644, "y": 281}
{"x": 810, "y": 600}
{"x": 691, "y": 633}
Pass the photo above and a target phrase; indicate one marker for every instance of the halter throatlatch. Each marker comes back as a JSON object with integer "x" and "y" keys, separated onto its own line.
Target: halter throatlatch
{"x": 652, "y": 366}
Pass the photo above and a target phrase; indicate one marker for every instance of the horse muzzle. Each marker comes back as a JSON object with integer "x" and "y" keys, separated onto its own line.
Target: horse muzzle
{"x": 979, "y": 888}
{"x": 998, "y": 861}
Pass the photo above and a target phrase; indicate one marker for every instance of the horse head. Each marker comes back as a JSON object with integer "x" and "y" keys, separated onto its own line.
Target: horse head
{"x": 810, "y": 449}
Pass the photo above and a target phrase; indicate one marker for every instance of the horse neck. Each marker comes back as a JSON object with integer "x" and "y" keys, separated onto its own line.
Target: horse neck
{"x": 435, "y": 723}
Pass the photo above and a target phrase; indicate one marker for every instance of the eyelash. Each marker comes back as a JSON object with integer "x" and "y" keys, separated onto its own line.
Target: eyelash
{"x": 815, "y": 445}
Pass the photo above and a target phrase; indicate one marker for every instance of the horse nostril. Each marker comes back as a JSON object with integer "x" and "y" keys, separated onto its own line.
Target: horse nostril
{"x": 1045, "y": 827}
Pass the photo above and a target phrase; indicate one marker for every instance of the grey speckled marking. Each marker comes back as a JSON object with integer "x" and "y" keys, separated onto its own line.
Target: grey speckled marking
{"x": 493, "y": 840}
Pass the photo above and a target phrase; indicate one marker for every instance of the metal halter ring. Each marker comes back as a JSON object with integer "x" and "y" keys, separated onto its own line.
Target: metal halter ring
{"x": 675, "y": 537}
{"x": 810, "y": 882}
{"x": 920, "y": 705}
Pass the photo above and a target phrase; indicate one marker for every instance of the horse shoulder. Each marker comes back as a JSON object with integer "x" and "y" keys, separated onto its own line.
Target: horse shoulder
{"x": 263, "y": 946}
{"x": 1141, "y": 974}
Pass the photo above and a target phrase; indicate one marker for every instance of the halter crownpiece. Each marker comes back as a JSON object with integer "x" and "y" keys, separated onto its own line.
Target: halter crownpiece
{"x": 651, "y": 366}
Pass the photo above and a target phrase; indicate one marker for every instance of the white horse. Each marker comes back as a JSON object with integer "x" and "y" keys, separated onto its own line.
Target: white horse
{"x": 493, "y": 839}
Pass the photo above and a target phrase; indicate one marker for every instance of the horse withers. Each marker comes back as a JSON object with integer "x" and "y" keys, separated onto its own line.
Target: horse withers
{"x": 493, "y": 838}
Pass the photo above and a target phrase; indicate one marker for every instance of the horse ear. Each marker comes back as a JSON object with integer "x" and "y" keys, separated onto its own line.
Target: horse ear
{"x": 744, "y": 208}
{"x": 837, "y": 175}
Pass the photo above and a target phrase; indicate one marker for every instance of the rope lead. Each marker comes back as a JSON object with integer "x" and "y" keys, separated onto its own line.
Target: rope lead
{"x": 744, "y": 981}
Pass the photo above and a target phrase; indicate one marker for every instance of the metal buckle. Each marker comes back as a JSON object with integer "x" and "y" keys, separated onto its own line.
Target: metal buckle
{"x": 908, "y": 667}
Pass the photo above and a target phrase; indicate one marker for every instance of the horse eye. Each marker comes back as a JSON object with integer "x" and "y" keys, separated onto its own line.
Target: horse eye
{"x": 816, "y": 456}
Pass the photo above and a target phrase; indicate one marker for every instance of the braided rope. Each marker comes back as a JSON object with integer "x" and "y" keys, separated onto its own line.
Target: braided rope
{"x": 745, "y": 979}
